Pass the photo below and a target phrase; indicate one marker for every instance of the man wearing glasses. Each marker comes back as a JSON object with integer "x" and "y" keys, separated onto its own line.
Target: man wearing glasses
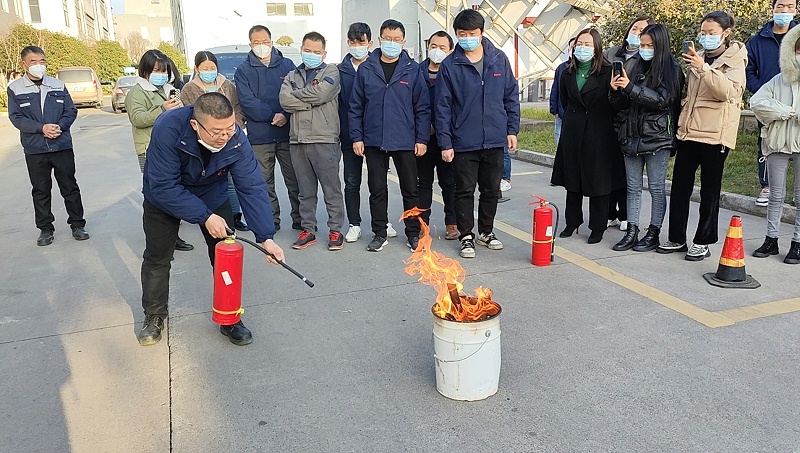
{"x": 191, "y": 152}
{"x": 258, "y": 85}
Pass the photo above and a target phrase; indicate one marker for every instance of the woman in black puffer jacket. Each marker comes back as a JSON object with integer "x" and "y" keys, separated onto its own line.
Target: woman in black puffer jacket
{"x": 649, "y": 99}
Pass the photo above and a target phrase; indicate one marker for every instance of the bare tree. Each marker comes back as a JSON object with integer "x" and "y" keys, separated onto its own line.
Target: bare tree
{"x": 136, "y": 46}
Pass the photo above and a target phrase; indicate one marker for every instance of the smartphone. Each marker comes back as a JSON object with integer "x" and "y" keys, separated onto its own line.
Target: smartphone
{"x": 687, "y": 46}
{"x": 173, "y": 93}
{"x": 617, "y": 68}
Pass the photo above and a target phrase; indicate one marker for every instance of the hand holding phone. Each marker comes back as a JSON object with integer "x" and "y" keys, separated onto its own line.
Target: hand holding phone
{"x": 617, "y": 68}
{"x": 688, "y": 46}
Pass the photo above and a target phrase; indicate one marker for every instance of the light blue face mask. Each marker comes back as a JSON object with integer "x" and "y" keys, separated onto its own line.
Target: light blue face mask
{"x": 584, "y": 53}
{"x": 782, "y": 19}
{"x": 647, "y": 54}
{"x": 469, "y": 42}
{"x": 208, "y": 76}
{"x": 359, "y": 52}
{"x": 634, "y": 40}
{"x": 391, "y": 49}
{"x": 158, "y": 79}
{"x": 710, "y": 42}
{"x": 311, "y": 60}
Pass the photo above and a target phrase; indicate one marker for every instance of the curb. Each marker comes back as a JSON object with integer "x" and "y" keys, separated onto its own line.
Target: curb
{"x": 727, "y": 200}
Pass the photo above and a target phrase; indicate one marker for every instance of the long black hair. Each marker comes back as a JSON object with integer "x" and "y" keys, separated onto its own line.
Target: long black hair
{"x": 664, "y": 70}
{"x": 203, "y": 56}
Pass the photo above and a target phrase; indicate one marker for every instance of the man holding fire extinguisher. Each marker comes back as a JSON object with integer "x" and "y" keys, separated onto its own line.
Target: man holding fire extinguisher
{"x": 191, "y": 152}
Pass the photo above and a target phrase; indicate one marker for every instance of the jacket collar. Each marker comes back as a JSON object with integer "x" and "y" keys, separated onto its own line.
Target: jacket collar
{"x": 347, "y": 65}
{"x": 218, "y": 82}
{"x": 490, "y": 53}
{"x": 274, "y": 59}
{"x": 403, "y": 64}
{"x": 736, "y": 51}
{"x": 790, "y": 67}
{"x": 49, "y": 82}
{"x": 767, "y": 32}
{"x": 147, "y": 86}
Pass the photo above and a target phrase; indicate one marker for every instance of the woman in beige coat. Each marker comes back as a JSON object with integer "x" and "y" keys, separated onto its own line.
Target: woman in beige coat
{"x": 776, "y": 105}
{"x": 707, "y": 129}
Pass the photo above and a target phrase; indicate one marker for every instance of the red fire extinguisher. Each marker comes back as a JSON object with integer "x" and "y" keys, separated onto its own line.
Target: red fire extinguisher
{"x": 228, "y": 263}
{"x": 543, "y": 244}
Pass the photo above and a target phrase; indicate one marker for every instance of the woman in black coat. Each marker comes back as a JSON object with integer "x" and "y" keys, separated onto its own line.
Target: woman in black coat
{"x": 588, "y": 161}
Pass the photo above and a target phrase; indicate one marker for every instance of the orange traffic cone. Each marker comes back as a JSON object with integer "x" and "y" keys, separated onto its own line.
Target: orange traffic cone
{"x": 730, "y": 273}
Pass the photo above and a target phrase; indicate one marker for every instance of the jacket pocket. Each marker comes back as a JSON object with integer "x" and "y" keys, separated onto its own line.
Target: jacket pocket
{"x": 707, "y": 117}
{"x": 24, "y": 100}
{"x": 54, "y": 106}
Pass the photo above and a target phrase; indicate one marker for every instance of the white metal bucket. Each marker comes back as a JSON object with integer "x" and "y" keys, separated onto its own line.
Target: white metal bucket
{"x": 467, "y": 356}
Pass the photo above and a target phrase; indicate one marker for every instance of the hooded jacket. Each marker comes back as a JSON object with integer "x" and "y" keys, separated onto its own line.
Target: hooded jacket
{"x": 30, "y": 107}
{"x": 176, "y": 181}
{"x": 712, "y": 106}
{"x": 143, "y": 103}
{"x": 195, "y": 88}
{"x": 476, "y": 111}
{"x": 258, "y": 87}
{"x": 392, "y": 115}
{"x": 314, "y": 104}
{"x": 773, "y": 102}
{"x": 762, "y": 57}
{"x": 347, "y": 77}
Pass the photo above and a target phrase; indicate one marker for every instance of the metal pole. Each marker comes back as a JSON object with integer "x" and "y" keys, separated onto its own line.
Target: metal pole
{"x": 447, "y": 17}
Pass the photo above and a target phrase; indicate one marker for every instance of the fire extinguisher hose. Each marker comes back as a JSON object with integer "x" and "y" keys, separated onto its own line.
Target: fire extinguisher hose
{"x": 555, "y": 229}
{"x": 265, "y": 252}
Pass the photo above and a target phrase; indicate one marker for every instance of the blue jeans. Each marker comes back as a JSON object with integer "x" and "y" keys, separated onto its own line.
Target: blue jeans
{"x": 506, "y": 164}
{"x": 656, "y": 165}
{"x": 557, "y": 130}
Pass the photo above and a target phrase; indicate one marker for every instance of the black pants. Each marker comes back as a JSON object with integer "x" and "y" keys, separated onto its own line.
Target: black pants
{"x": 41, "y": 168}
{"x": 444, "y": 170}
{"x": 160, "y": 234}
{"x": 377, "y": 166}
{"x": 618, "y": 205}
{"x": 352, "y": 184}
{"x": 711, "y": 161}
{"x": 598, "y": 211}
{"x": 483, "y": 168}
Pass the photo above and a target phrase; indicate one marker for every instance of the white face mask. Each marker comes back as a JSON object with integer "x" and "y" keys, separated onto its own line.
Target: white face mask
{"x": 436, "y": 55}
{"x": 262, "y": 50}
{"x": 209, "y": 147}
{"x": 37, "y": 70}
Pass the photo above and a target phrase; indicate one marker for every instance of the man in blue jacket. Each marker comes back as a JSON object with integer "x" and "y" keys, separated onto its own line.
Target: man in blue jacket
{"x": 390, "y": 117}
{"x": 556, "y": 108}
{"x": 477, "y": 115}
{"x": 258, "y": 86}
{"x": 191, "y": 152}
{"x": 763, "y": 50}
{"x": 42, "y": 109}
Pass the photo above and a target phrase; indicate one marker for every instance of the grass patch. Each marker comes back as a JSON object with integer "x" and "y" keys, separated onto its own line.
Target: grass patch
{"x": 537, "y": 114}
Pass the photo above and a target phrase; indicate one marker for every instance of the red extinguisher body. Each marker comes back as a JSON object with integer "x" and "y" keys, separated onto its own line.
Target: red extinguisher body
{"x": 542, "y": 247}
{"x": 228, "y": 263}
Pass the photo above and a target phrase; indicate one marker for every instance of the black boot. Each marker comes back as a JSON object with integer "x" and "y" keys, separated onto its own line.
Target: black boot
{"x": 238, "y": 223}
{"x": 768, "y": 248}
{"x": 237, "y": 333}
{"x": 793, "y": 257}
{"x": 151, "y": 330}
{"x": 627, "y": 241}
{"x": 650, "y": 241}
{"x": 568, "y": 230}
{"x": 596, "y": 236}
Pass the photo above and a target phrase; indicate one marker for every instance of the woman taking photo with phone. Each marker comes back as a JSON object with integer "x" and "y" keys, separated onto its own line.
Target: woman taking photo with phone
{"x": 707, "y": 129}
{"x": 588, "y": 161}
{"x": 647, "y": 99}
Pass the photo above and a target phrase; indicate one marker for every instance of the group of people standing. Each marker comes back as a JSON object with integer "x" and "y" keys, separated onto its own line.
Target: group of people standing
{"x": 631, "y": 108}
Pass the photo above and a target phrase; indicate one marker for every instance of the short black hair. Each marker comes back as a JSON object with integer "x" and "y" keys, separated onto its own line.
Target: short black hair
{"x": 358, "y": 30}
{"x": 256, "y": 28}
{"x": 204, "y": 56}
{"x": 775, "y": 2}
{"x": 443, "y": 34}
{"x": 153, "y": 60}
{"x": 215, "y": 105}
{"x": 469, "y": 19}
{"x": 392, "y": 24}
{"x": 29, "y": 50}
{"x": 313, "y": 36}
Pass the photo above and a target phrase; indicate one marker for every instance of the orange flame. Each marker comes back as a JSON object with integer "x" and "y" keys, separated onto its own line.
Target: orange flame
{"x": 447, "y": 276}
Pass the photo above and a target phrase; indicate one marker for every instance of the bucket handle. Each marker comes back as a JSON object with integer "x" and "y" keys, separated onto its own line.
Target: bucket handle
{"x": 488, "y": 334}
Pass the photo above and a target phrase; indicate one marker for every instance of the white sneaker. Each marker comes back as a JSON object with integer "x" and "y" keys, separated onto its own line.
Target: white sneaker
{"x": 623, "y": 226}
{"x": 353, "y": 233}
{"x": 763, "y": 197}
{"x": 505, "y": 185}
{"x": 490, "y": 241}
{"x": 697, "y": 252}
{"x": 390, "y": 232}
{"x": 613, "y": 223}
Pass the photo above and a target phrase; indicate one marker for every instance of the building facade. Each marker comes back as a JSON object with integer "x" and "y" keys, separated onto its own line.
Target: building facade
{"x": 88, "y": 20}
{"x": 152, "y": 19}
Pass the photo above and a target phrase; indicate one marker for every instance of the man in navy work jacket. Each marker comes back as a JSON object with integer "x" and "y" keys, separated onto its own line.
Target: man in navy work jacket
{"x": 390, "y": 117}
{"x": 763, "y": 50}
{"x": 258, "y": 86}
{"x": 477, "y": 115}
{"x": 41, "y": 108}
{"x": 191, "y": 152}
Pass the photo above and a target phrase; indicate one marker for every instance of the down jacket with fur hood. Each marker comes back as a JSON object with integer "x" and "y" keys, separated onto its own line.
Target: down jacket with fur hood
{"x": 773, "y": 103}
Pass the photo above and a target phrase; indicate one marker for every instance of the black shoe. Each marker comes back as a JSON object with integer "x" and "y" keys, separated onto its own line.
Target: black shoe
{"x": 568, "y": 230}
{"x": 596, "y": 237}
{"x": 238, "y": 223}
{"x": 413, "y": 243}
{"x": 503, "y": 199}
{"x": 377, "y": 243}
{"x": 237, "y": 333}
{"x": 151, "y": 330}
{"x": 80, "y": 234}
{"x": 297, "y": 226}
{"x": 793, "y": 257}
{"x": 183, "y": 246}
{"x": 45, "y": 238}
{"x": 629, "y": 240}
{"x": 650, "y": 241}
{"x": 768, "y": 248}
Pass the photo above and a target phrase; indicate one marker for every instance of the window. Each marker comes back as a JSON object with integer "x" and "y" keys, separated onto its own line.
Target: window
{"x": 165, "y": 34}
{"x": 18, "y": 8}
{"x": 5, "y": 5}
{"x": 66, "y": 13}
{"x": 303, "y": 9}
{"x": 36, "y": 14}
{"x": 145, "y": 32}
{"x": 276, "y": 9}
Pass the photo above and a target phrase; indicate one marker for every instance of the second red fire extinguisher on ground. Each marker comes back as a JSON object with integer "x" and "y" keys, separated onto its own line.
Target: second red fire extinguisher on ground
{"x": 545, "y": 222}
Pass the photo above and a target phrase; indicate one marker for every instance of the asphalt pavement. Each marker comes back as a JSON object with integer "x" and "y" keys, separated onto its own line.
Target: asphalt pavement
{"x": 601, "y": 351}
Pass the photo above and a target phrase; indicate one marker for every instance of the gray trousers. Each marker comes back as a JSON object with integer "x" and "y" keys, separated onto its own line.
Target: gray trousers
{"x": 267, "y": 154}
{"x": 656, "y": 165}
{"x": 776, "y": 169}
{"x": 318, "y": 165}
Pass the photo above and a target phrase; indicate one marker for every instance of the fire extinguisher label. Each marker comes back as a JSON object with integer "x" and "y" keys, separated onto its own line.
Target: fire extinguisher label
{"x": 549, "y": 232}
{"x": 226, "y": 277}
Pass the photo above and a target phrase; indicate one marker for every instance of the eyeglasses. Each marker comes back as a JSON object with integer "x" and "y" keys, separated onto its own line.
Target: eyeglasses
{"x": 397, "y": 40}
{"x": 259, "y": 43}
{"x": 228, "y": 132}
